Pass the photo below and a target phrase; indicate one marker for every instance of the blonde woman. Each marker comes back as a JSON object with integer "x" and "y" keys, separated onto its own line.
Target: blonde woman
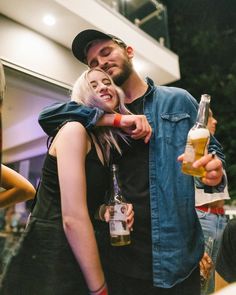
{"x": 58, "y": 253}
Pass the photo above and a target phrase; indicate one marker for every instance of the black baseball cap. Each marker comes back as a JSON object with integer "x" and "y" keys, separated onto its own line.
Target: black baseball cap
{"x": 82, "y": 40}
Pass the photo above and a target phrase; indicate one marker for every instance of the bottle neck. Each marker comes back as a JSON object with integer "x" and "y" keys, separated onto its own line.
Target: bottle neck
{"x": 115, "y": 186}
{"x": 203, "y": 111}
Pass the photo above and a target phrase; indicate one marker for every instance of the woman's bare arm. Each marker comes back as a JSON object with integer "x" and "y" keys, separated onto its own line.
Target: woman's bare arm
{"x": 71, "y": 148}
{"x": 16, "y": 188}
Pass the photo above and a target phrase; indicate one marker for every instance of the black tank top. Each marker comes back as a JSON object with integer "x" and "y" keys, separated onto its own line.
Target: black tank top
{"x": 48, "y": 204}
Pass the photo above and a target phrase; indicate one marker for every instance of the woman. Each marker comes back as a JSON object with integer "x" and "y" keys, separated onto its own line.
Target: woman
{"x": 15, "y": 187}
{"x": 2, "y": 93}
{"x": 58, "y": 253}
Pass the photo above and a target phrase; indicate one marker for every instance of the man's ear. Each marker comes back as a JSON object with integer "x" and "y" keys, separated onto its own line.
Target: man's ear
{"x": 130, "y": 51}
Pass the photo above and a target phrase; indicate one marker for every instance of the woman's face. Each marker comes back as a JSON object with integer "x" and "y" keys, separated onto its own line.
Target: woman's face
{"x": 211, "y": 124}
{"x": 104, "y": 89}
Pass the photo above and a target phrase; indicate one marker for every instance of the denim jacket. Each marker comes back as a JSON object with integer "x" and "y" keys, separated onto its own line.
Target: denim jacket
{"x": 177, "y": 239}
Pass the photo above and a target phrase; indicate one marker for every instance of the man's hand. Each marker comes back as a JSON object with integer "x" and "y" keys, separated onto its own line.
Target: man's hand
{"x": 213, "y": 168}
{"x": 137, "y": 126}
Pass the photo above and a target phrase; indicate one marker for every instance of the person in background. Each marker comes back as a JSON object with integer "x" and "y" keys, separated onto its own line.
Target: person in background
{"x": 58, "y": 252}
{"x": 225, "y": 269}
{"x": 2, "y": 93}
{"x": 167, "y": 242}
{"x": 228, "y": 290}
{"x": 15, "y": 188}
{"x": 210, "y": 210}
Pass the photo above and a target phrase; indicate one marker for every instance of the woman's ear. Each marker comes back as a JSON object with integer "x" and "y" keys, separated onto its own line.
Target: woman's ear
{"x": 130, "y": 51}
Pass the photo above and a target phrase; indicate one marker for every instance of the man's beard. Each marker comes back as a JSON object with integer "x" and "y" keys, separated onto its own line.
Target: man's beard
{"x": 126, "y": 70}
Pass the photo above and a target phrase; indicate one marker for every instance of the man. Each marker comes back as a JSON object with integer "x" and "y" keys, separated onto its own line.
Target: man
{"x": 167, "y": 242}
{"x": 212, "y": 217}
{"x": 226, "y": 258}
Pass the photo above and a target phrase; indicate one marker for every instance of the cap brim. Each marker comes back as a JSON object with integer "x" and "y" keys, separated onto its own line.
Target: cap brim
{"x": 81, "y": 41}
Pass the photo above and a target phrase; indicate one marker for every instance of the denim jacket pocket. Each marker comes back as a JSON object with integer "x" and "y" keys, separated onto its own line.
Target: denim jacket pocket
{"x": 175, "y": 128}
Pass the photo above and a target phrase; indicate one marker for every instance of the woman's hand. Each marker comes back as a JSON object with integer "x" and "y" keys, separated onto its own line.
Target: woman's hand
{"x": 206, "y": 265}
{"x": 105, "y": 214}
{"x": 130, "y": 216}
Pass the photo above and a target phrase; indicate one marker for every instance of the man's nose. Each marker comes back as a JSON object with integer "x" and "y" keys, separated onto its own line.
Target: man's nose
{"x": 102, "y": 63}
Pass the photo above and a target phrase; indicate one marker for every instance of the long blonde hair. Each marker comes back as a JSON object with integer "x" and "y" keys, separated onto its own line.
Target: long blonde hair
{"x": 83, "y": 93}
{"x": 2, "y": 82}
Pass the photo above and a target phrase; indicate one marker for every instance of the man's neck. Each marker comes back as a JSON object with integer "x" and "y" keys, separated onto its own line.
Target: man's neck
{"x": 134, "y": 87}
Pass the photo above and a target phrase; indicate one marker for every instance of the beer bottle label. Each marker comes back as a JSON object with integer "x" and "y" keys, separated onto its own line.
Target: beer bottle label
{"x": 189, "y": 153}
{"x": 118, "y": 224}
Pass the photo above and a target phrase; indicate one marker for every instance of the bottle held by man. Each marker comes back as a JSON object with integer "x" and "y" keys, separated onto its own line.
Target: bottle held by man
{"x": 119, "y": 230}
{"x": 197, "y": 140}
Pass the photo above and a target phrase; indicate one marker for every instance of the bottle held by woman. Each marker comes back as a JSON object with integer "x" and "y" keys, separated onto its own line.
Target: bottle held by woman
{"x": 119, "y": 230}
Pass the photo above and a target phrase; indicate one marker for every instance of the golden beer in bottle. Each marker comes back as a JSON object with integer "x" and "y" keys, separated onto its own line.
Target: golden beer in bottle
{"x": 197, "y": 140}
{"x": 119, "y": 230}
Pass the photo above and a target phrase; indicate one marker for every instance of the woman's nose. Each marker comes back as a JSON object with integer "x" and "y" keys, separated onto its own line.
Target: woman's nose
{"x": 102, "y": 87}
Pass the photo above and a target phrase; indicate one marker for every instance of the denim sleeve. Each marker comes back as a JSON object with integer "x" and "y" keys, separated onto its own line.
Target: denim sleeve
{"x": 53, "y": 117}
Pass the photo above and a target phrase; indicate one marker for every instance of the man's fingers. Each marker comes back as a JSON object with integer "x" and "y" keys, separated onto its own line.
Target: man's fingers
{"x": 143, "y": 130}
{"x": 206, "y": 160}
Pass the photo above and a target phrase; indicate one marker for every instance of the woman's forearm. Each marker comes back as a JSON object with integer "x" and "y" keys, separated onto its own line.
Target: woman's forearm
{"x": 15, "y": 195}
{"x": 80, "y": 235}
{"x": 16, "y": 188}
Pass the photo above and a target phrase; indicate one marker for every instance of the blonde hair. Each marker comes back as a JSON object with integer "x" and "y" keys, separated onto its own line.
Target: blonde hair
{"x": 2, "y": 83}
{"x": 83, "y": 93}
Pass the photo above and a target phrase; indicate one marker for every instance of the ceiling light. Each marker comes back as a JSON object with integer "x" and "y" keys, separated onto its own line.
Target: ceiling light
{"x": 49, "y": 20}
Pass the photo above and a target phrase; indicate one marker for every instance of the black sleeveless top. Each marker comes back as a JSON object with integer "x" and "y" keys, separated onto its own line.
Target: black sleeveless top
{"x": 48, "y": 205}
{"x": 44, "y": 262}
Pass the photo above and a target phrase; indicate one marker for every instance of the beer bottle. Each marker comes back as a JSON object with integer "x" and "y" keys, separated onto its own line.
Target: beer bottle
{"x": 119, "y": 231}
{"x": 197, "y": 140}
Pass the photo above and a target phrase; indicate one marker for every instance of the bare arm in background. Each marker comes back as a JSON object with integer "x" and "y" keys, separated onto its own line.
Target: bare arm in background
{"x": 16, "y": 188}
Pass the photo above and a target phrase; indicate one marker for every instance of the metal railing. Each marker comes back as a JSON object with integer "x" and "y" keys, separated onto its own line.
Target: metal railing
{"x": 150, "y": 16}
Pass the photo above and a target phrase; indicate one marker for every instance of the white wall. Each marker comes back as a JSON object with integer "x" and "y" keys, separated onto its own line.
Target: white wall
{"x": 34, "y": 52}
{"x": 30, "y": 50}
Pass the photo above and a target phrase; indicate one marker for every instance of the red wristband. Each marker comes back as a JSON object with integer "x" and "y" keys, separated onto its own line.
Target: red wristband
{"x": 103, "y": 292}
{"x": 117, "y": 120}
{"x": 100, "y": 291}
